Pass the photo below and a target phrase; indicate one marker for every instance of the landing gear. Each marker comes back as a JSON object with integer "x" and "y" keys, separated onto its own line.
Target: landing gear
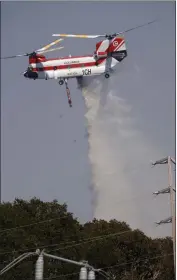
{"x": 107, "y": 75}
{"x": 61, "y": 82}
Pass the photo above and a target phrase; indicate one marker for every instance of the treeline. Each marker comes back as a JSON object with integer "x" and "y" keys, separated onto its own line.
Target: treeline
{"x": 123, "y": 253}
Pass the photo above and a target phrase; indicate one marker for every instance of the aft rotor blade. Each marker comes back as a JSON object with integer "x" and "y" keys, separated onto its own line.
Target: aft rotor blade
{"x": 78, "y": 36}
{"x": 51, "y": 50}
{"x": 14, "y": 56}
{"x": 49, "y": 45}
{"x": 136, "y": 27}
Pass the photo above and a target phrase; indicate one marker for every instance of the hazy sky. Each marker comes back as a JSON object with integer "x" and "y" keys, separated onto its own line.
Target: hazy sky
{"x": 40, "y": 156}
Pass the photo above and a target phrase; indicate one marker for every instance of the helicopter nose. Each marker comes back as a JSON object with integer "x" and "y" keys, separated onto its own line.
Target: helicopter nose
{"x": 30, "y": 75}
{"x": 25, "y": 74}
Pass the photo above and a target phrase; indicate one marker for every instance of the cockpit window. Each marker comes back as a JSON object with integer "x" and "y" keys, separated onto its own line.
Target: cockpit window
{"x": 30, "y": 68}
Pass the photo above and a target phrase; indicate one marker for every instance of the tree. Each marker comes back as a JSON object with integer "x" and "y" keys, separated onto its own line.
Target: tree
{"x": 59, "y": 227}
{"x": 113, "y": 246}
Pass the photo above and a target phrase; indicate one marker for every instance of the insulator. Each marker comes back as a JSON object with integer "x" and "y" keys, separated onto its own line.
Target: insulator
{"x": 39, "y": 268}
{"x": 91, "y": 275}
{"x": 83, "y": 273}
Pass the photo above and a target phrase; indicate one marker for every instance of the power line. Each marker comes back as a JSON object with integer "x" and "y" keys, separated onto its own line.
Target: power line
{"x": 28, "y": 225}
{"x": 152, "y": 258}
{"x": 65, "y": 216}
{"x": 52, "y": 245}
{"x": 61, "y": 243}
{"x": 70, "y": 246}
{"x": 121, "y": 264}
{"x": 59, "y": 231}
{"x": 91, "y": 240}
{"x": 84, "y": 265}
{"x": 16, "y": 261}
{"x": 83, "y": 241}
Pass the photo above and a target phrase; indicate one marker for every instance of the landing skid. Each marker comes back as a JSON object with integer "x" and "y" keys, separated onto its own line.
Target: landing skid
{"x": 61, "y": 82}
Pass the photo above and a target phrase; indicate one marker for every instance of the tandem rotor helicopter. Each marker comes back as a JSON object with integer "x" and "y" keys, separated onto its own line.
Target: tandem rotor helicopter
{"x": 109, "y": 52}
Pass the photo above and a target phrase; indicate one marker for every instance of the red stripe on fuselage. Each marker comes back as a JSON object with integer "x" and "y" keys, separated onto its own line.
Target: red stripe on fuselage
{"x": 67, "y": 57}
{"x": 69, "y": 66}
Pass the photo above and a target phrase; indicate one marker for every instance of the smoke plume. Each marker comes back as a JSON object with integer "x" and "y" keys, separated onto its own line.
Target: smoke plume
{"x": 117, "y": 153}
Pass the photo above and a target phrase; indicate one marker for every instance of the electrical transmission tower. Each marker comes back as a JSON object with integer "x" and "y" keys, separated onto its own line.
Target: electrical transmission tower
{"x": 168, "y": 160}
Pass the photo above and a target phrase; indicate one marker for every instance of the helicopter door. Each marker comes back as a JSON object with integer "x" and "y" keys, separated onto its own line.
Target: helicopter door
{"x": 69, "y": 71}
{"x": 55, "y": 73}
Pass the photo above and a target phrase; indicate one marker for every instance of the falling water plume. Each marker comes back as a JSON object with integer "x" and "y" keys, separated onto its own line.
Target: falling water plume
{"x": 117, "y": 151}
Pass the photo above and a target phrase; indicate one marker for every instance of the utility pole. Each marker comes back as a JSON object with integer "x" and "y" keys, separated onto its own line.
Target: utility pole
{"x": 172, "y": 203}
{"x": 168, "y": 160}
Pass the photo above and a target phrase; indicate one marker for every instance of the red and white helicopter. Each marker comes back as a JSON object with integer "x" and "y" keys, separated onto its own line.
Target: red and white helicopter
{"x": 108, "y": 54}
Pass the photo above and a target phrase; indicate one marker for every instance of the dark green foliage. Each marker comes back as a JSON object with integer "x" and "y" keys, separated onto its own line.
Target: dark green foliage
{"x": 113, "y": 246}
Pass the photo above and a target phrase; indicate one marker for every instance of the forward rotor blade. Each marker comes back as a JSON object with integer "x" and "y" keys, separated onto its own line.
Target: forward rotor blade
{"x": 78, "y": 36}
{"x": 13, "y": 56}
{"x": 49, "y": 45}
{"x": 37, "y": 51}
{"x": 51, "y": 50}
{"x": 136, "y": 27}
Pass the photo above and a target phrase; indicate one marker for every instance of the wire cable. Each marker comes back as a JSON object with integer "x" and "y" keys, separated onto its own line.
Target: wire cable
{"x": 18, "y": 258}
{"x": 28, "y": 225}
{"x": 83, "y": 241}
{"x": 65, "y": 216}
{"x": 15, "y": 262}
{"x": 88, "y": 240}
{"x": 94, "y": 239}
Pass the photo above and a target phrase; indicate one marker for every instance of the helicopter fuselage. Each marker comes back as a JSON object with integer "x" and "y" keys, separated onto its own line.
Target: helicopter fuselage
{"x": 106, "y": 57}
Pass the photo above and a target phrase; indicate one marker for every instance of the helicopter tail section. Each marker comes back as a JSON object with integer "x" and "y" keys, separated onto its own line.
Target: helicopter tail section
{"x": 117, "y": 48}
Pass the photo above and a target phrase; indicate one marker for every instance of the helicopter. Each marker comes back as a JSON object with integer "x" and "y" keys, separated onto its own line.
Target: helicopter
{"x": 109, "y": 52}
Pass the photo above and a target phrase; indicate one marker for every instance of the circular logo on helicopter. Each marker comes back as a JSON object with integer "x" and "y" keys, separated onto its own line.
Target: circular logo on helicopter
{"x": 115, "y": 43}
